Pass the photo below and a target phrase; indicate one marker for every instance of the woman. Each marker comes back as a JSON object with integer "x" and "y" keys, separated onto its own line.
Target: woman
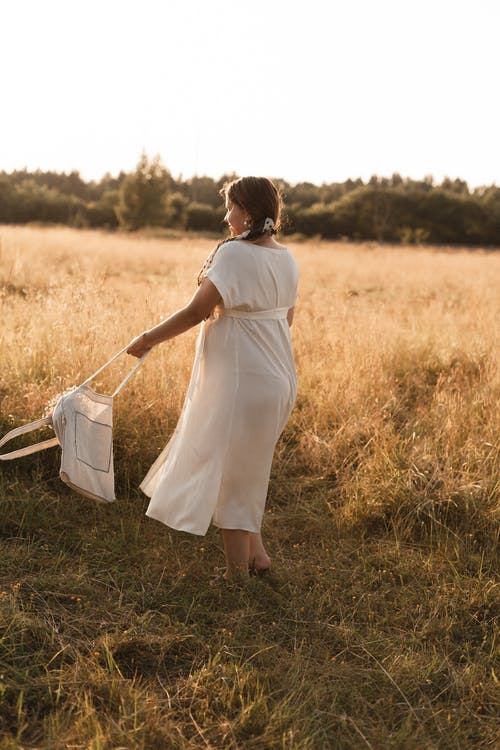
{"x": 243, "y": 385}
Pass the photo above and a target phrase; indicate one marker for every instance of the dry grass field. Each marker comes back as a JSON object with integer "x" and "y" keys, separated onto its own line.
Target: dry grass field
{"x": 379, "y": 628}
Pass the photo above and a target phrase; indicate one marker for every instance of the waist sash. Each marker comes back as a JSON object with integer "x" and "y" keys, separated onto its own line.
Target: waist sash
{"x": 278, "y": 313}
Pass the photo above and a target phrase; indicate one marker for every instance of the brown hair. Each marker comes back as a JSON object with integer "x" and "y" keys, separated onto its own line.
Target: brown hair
{"x": 261, "y": 199}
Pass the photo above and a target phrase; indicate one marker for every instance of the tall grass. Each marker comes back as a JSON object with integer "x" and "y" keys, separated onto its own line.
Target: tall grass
{"x": 378, "y": 628}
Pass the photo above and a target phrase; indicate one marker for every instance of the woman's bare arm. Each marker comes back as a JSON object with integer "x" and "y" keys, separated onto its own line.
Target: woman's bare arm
{"x": 201, "y": 305}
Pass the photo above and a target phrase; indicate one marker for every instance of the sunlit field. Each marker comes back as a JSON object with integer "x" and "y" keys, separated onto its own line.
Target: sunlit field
{"x": 378, "y": 627}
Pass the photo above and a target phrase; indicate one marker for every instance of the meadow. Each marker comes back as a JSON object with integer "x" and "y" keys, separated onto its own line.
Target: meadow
{"x": 379, "y": 626}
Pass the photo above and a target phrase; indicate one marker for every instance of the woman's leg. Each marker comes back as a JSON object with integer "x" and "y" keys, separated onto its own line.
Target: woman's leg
{"x": 237, "y": 551}
{"x": 258, "y": 559}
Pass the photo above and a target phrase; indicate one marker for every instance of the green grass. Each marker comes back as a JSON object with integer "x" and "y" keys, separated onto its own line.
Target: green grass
{"x": 112, "y": 636}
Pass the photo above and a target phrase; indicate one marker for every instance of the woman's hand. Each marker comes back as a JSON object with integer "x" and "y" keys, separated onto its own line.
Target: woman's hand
{"x": 139, "y": 346}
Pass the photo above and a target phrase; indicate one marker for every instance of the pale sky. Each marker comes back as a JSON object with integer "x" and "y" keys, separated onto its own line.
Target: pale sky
{"x": 312, "y": 90}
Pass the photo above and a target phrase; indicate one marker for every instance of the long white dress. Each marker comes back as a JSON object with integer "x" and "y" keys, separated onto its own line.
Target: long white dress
{"x": 243, "y": 386}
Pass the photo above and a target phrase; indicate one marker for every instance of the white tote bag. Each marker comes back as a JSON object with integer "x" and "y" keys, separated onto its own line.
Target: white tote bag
{"x": 83, "y": 422}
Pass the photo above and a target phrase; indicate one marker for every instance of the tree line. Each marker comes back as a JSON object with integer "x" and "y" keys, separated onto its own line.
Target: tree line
{"x": 393, "y": 209}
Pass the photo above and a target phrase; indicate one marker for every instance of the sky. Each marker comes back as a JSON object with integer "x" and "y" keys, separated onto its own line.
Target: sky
{"x": 317, "y": 90}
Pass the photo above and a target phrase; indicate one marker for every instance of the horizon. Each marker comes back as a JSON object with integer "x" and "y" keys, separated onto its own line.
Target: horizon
{"x": 187, "y": 178}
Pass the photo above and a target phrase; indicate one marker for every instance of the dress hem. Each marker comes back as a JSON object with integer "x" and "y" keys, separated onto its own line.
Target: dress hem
{"x": 201, "y": 533}
{"x": 176, "y": 528}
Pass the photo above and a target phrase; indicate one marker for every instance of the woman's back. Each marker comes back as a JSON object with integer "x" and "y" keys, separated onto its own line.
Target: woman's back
{"x": 254, "y": 277}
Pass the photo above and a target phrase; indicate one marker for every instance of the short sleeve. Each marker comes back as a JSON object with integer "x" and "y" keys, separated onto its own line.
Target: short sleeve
{"x": 223, "y": 273}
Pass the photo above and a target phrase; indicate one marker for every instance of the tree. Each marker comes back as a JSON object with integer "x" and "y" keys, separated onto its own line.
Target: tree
{"x": 143, "y": 193}
{"x": 490, "y": 201}
{"x": 102, "y": 213}
{"x": 455, "y": 186}
{"x": 203, "y": 190}
{"x": 7, "y": 199}
{"x": 175, "y": 211}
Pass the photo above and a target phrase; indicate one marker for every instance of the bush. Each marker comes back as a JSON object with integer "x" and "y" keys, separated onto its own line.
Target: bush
{"x": 201, "y": 216}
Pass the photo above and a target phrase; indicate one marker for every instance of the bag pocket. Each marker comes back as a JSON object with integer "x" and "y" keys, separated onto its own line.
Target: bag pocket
{"x": 94, "y": 443}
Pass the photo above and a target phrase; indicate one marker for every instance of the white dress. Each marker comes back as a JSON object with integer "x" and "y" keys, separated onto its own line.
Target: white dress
{"x": 216, "y": 466}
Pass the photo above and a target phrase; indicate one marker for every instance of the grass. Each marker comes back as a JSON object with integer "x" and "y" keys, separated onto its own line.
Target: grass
{"x": 379, "y": 628}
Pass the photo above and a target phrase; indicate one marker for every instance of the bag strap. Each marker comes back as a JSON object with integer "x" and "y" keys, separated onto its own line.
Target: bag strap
{"x": 29, "y": 448}
{"x": 126, "y": 378}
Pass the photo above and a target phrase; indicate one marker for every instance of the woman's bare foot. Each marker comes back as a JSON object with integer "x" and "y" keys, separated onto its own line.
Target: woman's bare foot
{"x": 258, "y": 559}
{"x": 259, "y": 568}
{"x": 237, "y": 551}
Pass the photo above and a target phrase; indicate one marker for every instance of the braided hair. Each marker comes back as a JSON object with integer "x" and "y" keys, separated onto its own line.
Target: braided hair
{"x": 262, "y": 200}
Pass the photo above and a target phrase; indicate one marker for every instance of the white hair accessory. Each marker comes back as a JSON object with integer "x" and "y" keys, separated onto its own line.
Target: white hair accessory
{"x": 268, "y": 225}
